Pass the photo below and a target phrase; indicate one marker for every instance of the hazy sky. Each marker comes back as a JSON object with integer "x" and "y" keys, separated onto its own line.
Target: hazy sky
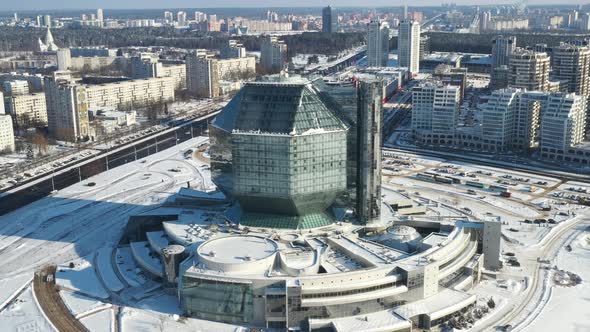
{"x": 130, "y": 4}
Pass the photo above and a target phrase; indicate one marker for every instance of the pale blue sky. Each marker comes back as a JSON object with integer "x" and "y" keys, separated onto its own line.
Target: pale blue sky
{"x": 149, "y": 4}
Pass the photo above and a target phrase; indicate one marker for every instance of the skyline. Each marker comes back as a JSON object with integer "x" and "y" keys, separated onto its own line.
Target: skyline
{"x": 36, "y": 5}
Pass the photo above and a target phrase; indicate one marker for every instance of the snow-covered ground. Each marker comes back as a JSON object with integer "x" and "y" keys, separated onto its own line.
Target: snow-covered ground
{"x": 80, "y": 277}
{"x": 80, "y": 305}
{"x": 102, "y": 321}
{"x": 24, "y": 314}
{"x": 79, "y": 220}
{"x": 567, "y": 308}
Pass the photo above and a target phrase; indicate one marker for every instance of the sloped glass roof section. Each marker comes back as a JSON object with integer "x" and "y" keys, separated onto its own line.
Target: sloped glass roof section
{"x": 287, "y": 109}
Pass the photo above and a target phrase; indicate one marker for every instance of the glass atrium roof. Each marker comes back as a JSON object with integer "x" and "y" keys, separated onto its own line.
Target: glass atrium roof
{"x": 277, "y": 108}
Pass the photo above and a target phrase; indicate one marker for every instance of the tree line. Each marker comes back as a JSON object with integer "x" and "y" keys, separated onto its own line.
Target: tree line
{"x": 25, "y": 39}
{"x": 482, "y": 43}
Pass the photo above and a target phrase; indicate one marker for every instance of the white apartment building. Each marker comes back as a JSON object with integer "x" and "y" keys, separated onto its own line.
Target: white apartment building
{"x": 498, "y": 119}
{"x": 131, "y": 93}
{"x": 529, "y": 70}
{"x": 28, "y": 110}
{"x": 16, "y": 87}
{"x": 168, "y": 17}
{"x": 563, "y": 123}
{"x": 6, "y": 134}
{"x": 94, "y": 63}
{"x": 435, "y": 113}
{"x": 378, "y": 44}
{"x": 571, "y": 64}
{"x": 64, "y": 59}
{"x": 178, "y": 73}
{"x": 181, "y": 18}
{"x": 515, "y": 24}
{"x": 228, "y": 67}
{"x": 409, "y": 46}
{"x": 148, "y": 65}
{"x": 204, "y": 72}
{"x": 273, "y": 54}
{"x": 585, "y": 22}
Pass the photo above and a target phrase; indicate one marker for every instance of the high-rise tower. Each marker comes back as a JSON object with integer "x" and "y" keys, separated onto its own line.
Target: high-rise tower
{"x": 368, "y": 151}
{"x": 329, "y": 20}
{"x": 378, "y": 44}
{"x": 408, "y": 44}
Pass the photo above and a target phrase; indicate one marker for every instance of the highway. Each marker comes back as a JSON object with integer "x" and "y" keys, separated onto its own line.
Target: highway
{"x": 65, "y": 176}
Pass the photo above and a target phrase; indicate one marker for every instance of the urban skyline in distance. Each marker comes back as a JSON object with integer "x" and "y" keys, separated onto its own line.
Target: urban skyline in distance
{"x": 419, "y": 167}
{"x": 33, "y": 5}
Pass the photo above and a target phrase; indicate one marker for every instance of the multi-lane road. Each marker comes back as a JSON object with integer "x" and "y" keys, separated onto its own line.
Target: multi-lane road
{"x": 41, "y": 186}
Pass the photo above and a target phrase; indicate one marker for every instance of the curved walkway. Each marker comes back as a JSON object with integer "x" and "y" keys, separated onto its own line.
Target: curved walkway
{"x": 51, "y": 303}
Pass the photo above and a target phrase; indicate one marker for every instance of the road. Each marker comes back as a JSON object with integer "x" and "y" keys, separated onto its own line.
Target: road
{"x": 549, "y": 170}
{"x": 516, "y": 317}
{"x": 42, "y": 167}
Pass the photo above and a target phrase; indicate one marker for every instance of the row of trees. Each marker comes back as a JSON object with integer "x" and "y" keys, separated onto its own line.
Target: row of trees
{"x": 25, "y": 39}
{"x": 482, "y": 43}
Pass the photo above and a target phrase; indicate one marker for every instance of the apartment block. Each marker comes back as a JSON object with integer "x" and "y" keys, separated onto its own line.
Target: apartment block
{"x": 28, "y": 110}
{"x": 435, "y": 113}
{"x": 6, "y": 134}
{"x": 529, "y": 70}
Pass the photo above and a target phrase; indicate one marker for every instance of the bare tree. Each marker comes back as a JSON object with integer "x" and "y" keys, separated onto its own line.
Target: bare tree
{"x": 41, "y": 142}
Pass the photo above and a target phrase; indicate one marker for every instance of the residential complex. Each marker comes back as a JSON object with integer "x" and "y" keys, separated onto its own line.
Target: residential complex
{"x": 202, "y": 76}
{"x": 551, "y": 125}
{"x": 131, "y": 93}
{"x": 67, "y": 108}
{"x": 502, "y": 49}
{"x": 563, "y": 125}
{"x": 68, "y": 101}
{"x": 233, "y": 49}
{"x": 148, "y": 65}
{"x": 511, "y": 120}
